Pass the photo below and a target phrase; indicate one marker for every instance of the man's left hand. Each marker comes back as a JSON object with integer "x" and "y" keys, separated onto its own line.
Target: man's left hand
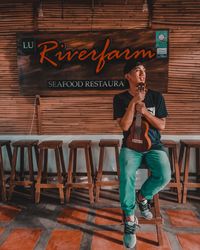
{"x": 141, "y": 108}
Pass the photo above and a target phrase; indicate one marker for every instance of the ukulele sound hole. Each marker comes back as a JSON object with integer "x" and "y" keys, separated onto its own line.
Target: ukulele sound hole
{"x": 137, "y": 141}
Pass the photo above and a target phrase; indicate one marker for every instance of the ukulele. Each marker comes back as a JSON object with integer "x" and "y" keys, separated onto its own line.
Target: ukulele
{"x": 138, "y": 138}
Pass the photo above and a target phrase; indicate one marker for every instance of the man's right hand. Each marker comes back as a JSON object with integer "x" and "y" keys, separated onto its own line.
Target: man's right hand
{"x": 139, "y": 97}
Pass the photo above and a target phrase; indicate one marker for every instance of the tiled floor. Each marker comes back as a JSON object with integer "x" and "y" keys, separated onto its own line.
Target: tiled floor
{"x": 20, "y": 238}
{"x": 183, "y": 218}
{"x": 77, "y": 225}
{"x": 8, "y": 213}
{"x": 189, "y": 241}
{"x": 65, "y": 239}
{"x": 148, "y": 240}
{"x": 73, "y": 215}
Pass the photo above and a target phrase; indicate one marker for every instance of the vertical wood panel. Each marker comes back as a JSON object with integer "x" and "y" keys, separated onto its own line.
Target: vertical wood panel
{"x": 93, "y": 115}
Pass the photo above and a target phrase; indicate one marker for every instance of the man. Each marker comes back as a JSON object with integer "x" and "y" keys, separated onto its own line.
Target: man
{"x": 151, "y": 105}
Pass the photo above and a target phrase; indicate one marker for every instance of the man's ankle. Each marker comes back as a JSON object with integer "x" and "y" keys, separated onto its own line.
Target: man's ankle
{"x": 130, "y": 218}
{"x": 140, "y": 197}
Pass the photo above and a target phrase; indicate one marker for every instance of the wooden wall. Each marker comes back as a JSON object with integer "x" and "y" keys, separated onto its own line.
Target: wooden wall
{"x": 93, "y": 114}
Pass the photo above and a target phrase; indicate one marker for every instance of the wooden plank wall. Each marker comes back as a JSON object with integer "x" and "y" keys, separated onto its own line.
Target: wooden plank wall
{"x": 93, "y": 114}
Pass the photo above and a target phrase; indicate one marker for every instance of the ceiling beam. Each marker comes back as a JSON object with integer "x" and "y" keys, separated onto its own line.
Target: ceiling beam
{"x": 150, "y": 9}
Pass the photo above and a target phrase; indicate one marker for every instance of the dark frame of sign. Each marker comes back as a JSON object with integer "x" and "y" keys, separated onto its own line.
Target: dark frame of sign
{"x": 89, "y": 63}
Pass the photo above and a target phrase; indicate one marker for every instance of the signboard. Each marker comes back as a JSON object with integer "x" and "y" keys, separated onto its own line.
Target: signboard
{"x": 59, "y": 63}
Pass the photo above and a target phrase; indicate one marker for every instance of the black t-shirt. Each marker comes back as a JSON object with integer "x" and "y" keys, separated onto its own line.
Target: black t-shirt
{"x": 155, "y": 104}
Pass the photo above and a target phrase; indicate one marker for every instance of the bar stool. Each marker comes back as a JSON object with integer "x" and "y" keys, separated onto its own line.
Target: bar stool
{"x": 175, "y": 182}
{"x": 71, "y": 182}
{"x": 21, "y": 145}
{"x": 4, "y": 143}
{"x": 157, "y": 220}
{"x": 99, "y": 183}
{"x": 188, "y": 144}
{"x": 157, "y": 217}
{"x": 43, "y": 166}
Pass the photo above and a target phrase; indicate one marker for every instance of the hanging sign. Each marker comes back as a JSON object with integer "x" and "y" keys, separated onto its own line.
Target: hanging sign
{"x": 162, "y": 43}
{"x": 55, "y": 63}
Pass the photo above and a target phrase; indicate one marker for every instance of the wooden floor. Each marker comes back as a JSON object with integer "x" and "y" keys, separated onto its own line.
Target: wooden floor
{"x": 51, "y": 226}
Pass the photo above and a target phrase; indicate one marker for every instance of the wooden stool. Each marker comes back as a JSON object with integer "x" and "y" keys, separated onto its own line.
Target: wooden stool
{"x": 42, "y": 168}
{"x": 71, "y": 182}
{"x": 21, "y": 145}
{"x": 188, "y": 144}
{"x": 2, "y": 177}
{"x": 157, "y": 218}
{"x": 175, "y": 182}
{"x": 99, "y": 183}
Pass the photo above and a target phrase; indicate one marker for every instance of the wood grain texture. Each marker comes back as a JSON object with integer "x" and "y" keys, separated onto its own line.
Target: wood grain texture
{"x": 92, "y": 114}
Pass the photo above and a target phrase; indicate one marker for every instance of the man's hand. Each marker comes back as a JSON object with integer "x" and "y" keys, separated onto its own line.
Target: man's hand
{"x": 141, "y": 108}
{"x": 156, "y": 122}
{"x": 139, "y": 97}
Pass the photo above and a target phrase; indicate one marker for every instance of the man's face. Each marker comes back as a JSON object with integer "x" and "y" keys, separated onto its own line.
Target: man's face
{"x": 136, "y": 75}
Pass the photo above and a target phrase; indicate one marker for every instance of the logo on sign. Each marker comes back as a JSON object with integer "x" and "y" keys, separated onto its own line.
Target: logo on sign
{"x": 28, "y": 45}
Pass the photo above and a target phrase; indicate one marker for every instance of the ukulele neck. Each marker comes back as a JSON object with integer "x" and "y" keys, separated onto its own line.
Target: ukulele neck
{"x": 138, "y": 123}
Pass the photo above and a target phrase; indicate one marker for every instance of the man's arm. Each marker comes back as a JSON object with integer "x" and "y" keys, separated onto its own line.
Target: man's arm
{"x": 158, "y": 123}
{"x": 126, "y": 121}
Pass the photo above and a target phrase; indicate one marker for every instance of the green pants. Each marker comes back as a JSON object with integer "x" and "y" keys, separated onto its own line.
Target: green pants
{"x": 156, "y": 160}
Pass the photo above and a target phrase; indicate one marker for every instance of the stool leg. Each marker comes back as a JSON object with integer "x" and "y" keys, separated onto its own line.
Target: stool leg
{"x": 61, "y": 192}
{"x": 62, "y": 164}
{"x": 198, "y": 164}
{"x": 9, "y": 152}
{"x": 180, "y": 160}
{"x": 21, "y": 174}
{"x": 177, "y": 174}
{"x": 88, "y": 166}
{"x": 69, "y": 177}
{"x": 36, "y": 154}
{"x": 172, "y": 165}
{"x": 99, "y": 174}
{"x": 13, "y": 173}
{"x": 117, "y": 161}
{"x": 39, "y": 176}
{"x": 159, "y": 234}
{"x": 2, "y": 178}
{"x": 159, "y": 229}
{"x": 44, "y": 172}
{"x": 171, "y": 159}
{"x": 186, "y": 173}
{"x": 91, "y": 162}
{"x": 31, "y": 172}
{"x": 74, "y": 164}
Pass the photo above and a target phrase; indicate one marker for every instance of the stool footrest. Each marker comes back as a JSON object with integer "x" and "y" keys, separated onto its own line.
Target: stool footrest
{"x": 51, "y": 185}
{"x": 109, "y": 173}
{"x": 23, "y": 183}
{"x": 80, "y": 185}
{"x": 107, "y": 183}
{"x": 192, "y": 184}
{"x": 173, "y": 184}
{"x": 158, "y": 220}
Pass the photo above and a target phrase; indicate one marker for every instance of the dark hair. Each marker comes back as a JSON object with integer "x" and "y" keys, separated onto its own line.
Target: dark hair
{"x": 131, "y": 64}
